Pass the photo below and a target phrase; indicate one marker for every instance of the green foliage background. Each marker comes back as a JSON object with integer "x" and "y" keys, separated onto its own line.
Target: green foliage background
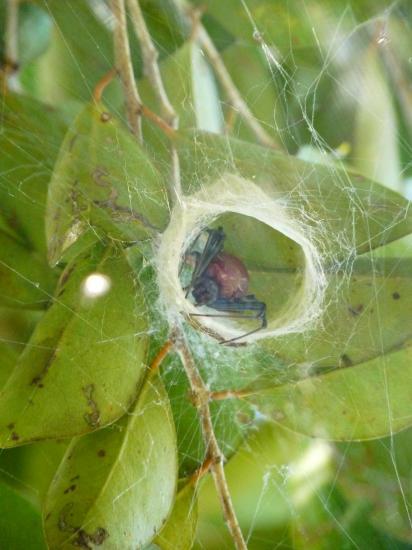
{"x": 96, "y": 450}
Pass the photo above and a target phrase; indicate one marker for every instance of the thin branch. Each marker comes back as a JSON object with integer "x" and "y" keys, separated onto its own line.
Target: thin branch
{"x": 150, "y": 64}
{"x": 125, "y": 69}
{"x": 214, "y": 456}
{"x": 233, "y": 93}
{"x": 152, "y": 71}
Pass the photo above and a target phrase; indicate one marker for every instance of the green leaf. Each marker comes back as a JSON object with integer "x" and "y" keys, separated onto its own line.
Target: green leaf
{"x": 345, "y": 212}
{"x": 366, "y": 313}
{"x": 102, "y": 179}
{"x": 366, "y": 402}
{"x": 29, "y": 469}
{"x": 20, "y": 522}
{"x": 29, "y": 142}
{"x": 34, "y": 32}
{"x": 180, "y": 529}
{"x": 8, "y": 359}
{"x": 191, "y": 86}
{"x": 258, "y": 88}
{"x": 84, "y": 363}
{"x": 80, "y": 53}
{"x": 81, "y": 49}
{"x": 116, "y": 486}
{"x": 378, "y": 474}
{"x": 376, "y": 147}
{"x": 26, "y": 281}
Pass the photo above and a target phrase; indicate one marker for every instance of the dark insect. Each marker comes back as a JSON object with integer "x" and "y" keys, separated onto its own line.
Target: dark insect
{"x": 220, "y": 281}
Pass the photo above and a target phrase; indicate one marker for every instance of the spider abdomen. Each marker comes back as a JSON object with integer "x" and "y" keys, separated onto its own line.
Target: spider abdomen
{"x": 230, "y": 274}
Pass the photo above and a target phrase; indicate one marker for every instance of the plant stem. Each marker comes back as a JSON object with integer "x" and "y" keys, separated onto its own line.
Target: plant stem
{"x": 152, "y": 71}
{"x": 214, "y": 455}
{"x": 150, "y": 64}
{"x": 125, "y": 69}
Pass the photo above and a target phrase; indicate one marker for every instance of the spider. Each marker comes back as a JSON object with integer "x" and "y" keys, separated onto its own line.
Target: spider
{"x": 220, "y": 281}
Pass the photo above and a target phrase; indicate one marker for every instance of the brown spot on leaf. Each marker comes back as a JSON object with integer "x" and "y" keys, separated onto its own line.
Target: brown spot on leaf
{"x": 14, "y": 436}
{"x": 70, "y": 489}
{"x": 92, "y": 417}
{"x": 101, "y": 453}
{"x": 83, "y": 539}
{"x": 10, "y": 426}
{"x": 99, "y": 176}
{"x": 104, "y": 117}
{"x": 396, "y": 295}
{"x": 355, "y": 310}
{"x": 346, "y": 360}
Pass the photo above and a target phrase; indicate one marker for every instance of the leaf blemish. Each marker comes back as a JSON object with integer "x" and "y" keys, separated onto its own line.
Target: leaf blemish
{"x": 356, "y": 310}
{"x": 346, "y": 360}
{"x": 104, "y": 117}
{"x": 396, "y": 295}
{"x": 70, "y": 489}
{"x": 10, "y": 426}
{"x": 92, "y": 417}
{"x": 15, "y": 436}
{"x": 101, "y": 453}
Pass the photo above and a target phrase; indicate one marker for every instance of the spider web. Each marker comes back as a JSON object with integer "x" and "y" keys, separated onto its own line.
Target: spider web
{"x": 284, "y": 482}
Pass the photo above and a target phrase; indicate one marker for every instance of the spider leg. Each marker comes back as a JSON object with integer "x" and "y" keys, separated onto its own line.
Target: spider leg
{"x": 235, "y": 308}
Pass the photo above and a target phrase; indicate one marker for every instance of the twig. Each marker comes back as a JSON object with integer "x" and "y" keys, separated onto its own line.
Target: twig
{"x": 150, "y": 65}
{"x": 230, "y": 88}
{"x": 152, "y": 71}
{"x": 214, "y": 456}
{"x": 125, "y": 69}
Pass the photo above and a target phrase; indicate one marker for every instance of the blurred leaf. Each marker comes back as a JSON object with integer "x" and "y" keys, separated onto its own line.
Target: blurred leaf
{"x": 368, "y": 401}
{"x": 366, "y": 313}
{"x": 257, "y": 85}
{"x": 8, "y": 359}
{"x": 179, "y": 531}
{"x": 378, "y": 475}
{"x": 29, "y": 469}
{"x": 81, "y": 50}
{"x": 272, "y": 477}
{"x": 189, "y": 82}
{"x": 376, "y": 147}
{"x": 104, "y": 180}
{"x": 344, "y": 525}
{"x": 20, "y": 522}
{"x": 29, "y": 142}
{"x": 116, "y": 486}
{"x": 84, "y": 363}
{"x": 34, "y": 32}
{"x": 26, "y": 280}
{"x": 346, "y": 212}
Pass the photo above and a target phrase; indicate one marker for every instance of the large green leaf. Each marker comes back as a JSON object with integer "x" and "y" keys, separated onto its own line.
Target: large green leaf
{"x": 344, "y": 212}
{"x": 102, "y": 179}
{"x": 29, "y": 142}
{"x": 366, "y": 313}
{"x": 115, "y": 487}
{"x": 76, "y": 61}
{"x": 84, "y": 363}
{"x": 366, "y": 402}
